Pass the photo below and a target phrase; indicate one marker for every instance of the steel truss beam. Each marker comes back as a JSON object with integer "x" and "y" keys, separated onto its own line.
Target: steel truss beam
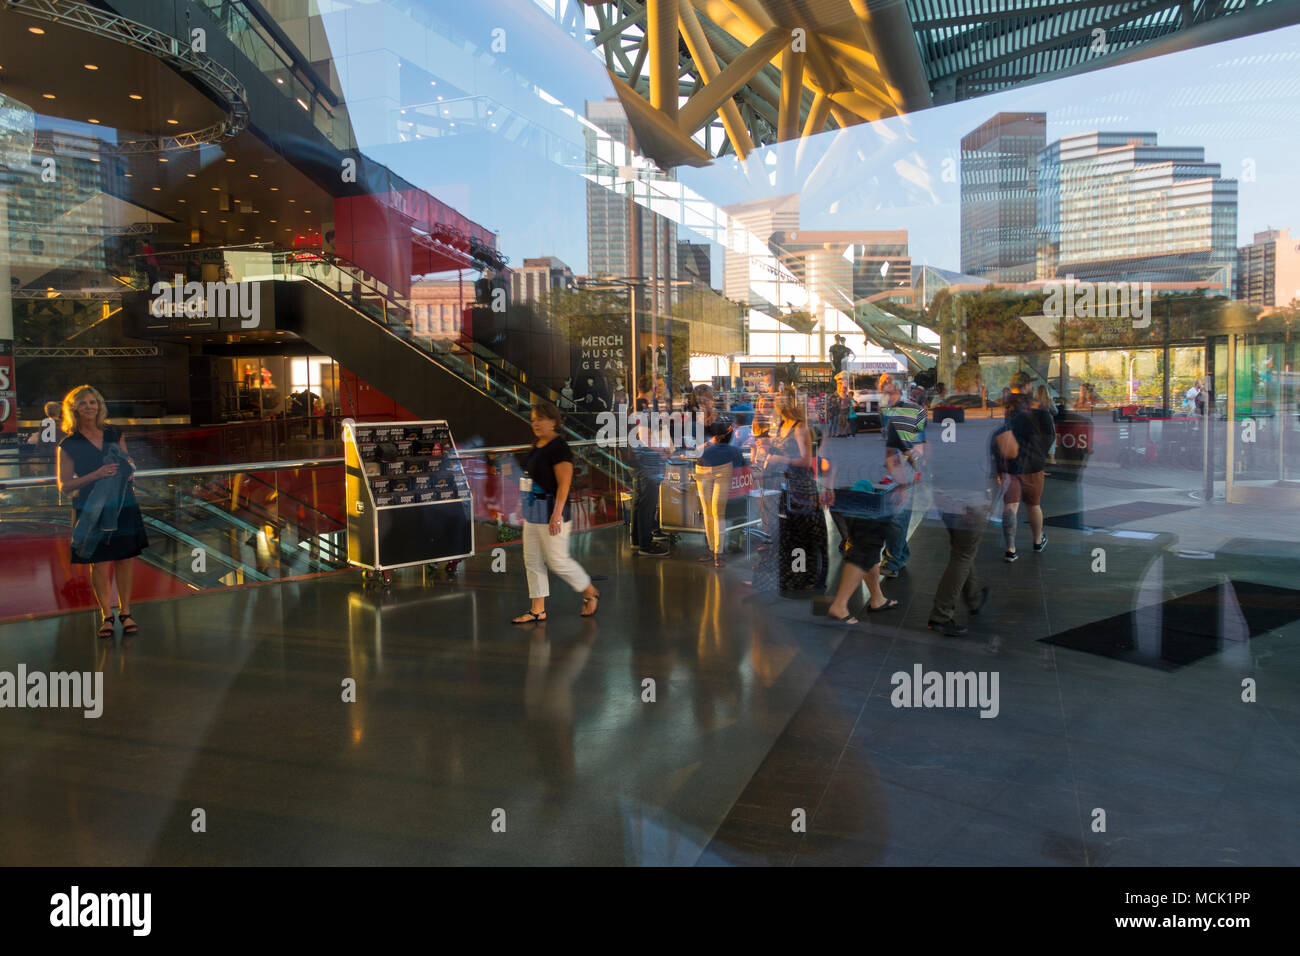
{"x": 177, "y": 54}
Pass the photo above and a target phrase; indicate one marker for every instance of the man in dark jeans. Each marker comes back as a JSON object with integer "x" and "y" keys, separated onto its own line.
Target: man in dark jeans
{"x": 648, "y": 474}
{"x": 961, "y": 478}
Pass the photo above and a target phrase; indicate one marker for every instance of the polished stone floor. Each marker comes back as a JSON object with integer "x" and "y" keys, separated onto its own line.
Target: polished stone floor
{"x": 232, "y": 702}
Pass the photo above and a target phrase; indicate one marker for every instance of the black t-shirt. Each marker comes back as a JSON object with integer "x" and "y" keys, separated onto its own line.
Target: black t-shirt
{"x": 1035, "y": 431}
{"x": 540, "y": 464}
{"x": 87, "y": 458}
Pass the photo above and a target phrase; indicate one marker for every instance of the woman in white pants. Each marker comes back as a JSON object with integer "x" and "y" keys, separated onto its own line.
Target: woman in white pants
{"x": 548, "y": 476}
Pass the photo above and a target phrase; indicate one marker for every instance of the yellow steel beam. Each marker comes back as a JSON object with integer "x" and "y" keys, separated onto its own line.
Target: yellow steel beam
{"x": 816, "y": 121}
{"x": 707, "y": 63}
{"x": 787, "y": 124}
{"x": 661, "y": 37}
{"x": 706, "y": 102}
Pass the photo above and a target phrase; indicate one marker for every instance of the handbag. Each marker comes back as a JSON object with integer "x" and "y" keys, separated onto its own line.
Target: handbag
{"x": 799, "y": 496}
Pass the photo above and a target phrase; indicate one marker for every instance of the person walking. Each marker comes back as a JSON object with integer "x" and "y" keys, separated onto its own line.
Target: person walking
{"x": 904, "y": 432}
{"x": 863, "y": 539}
{"x": 713, "y": 471}
{"x": 961, "y": 477}
{"x": 1034, "y": 431}
{"x": 108, "y": 532}
{"x": 548, "y": 522}
{"x": 844, "y": 407}
{"x": 802, "y": 526}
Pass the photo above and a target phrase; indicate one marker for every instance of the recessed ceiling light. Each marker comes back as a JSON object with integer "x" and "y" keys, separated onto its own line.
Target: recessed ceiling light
{"x": 162, "y": 159}
{"x": 216, "y": 189}
{"x": 191, "y": 175}
{"x": 272, "y": 220}
{"x": 293, "y": 200}
{"x": 90, "y": 66}
{"x": 222, "y": 220}
{"x": 280, "y": 80}
{"x": 95, "y": 121}
{"x": 48, "y": 96}
{"x": 135, "y": 96}
{"x": 127, "y": 175}
{"x": 172, "y": 122}
{"x": 252, "y": 175}
{"x": 203, "y": 212}
{"x": 157, "y": 189}
{"x": 275, "y": 189}
{"x": 230, "y": 159}
{"x": 306, "y": 210}
{"x": 37, "y": 30}
{"x": 180, "y": 200}
{"x": 241, "y": 228}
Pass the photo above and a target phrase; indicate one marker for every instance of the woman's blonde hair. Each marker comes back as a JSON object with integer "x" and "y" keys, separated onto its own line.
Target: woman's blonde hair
{"x": 787, "y": 406}
{"x": 1043, "y": 398}
{"x": 70, "y": 409}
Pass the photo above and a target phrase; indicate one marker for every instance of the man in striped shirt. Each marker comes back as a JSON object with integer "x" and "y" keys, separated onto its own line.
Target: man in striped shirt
{"x": 904, "y": 431}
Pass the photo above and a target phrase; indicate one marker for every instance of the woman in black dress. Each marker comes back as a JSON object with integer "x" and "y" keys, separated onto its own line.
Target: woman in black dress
{"x": 81, "y": 466}
{"x": 803, "y": 524}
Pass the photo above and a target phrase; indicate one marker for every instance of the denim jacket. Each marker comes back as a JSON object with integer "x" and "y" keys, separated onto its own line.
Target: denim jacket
{"x": 97, "y": 518}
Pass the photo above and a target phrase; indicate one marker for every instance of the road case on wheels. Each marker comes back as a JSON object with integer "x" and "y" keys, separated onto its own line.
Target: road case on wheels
{"x": 408, "y": 500}
{"x": 679, "y": 499}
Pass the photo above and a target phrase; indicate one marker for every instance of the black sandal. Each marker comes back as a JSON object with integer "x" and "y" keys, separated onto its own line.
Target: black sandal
{"x": 128, "y": 628}
{"x": 530, "y": 617}
{"x": 106, "y": 628}
{"x": 848, "y": 620}
{"x": 887, "y": 606}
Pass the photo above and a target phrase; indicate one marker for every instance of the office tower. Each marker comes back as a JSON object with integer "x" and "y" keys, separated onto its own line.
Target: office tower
{"x": 617, "y": 228}
{"x": 999, "y": 201}
{"x": 747, "y": 272}
{"x": 1268, "y": 270}
{"x": 694, "y": 262}
{"x": 1116, "y": 206}
{"x": 537, "y": 277}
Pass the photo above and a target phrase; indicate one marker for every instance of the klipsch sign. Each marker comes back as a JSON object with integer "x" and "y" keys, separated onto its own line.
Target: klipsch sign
{"x": 207, "y": 300}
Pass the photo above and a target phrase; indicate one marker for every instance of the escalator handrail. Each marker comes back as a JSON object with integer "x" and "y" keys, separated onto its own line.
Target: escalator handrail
{"x": 617, "y": 467}
{"x": 37, "y": 481}
{"x": 502, "y": 366}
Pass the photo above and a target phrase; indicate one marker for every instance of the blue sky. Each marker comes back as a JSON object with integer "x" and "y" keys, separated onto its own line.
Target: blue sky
{"x": 1240, "y": 100}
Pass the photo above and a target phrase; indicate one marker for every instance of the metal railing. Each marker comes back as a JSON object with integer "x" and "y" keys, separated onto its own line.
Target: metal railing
{"x": 39, "y": 481}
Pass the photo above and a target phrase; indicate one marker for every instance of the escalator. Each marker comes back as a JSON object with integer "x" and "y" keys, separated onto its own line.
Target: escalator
{"x": 368, "y": 328}
{"x": 247, "y": 529}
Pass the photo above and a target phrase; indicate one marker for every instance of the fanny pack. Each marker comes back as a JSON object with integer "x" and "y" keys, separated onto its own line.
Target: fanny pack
{"x": 537, "y": 506}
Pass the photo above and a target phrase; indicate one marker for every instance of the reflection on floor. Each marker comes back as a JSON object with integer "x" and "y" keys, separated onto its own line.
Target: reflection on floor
{"x": 1184, "y": 629}
{"x": 40, "y": 578}
{"x": 693, "y": 721}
